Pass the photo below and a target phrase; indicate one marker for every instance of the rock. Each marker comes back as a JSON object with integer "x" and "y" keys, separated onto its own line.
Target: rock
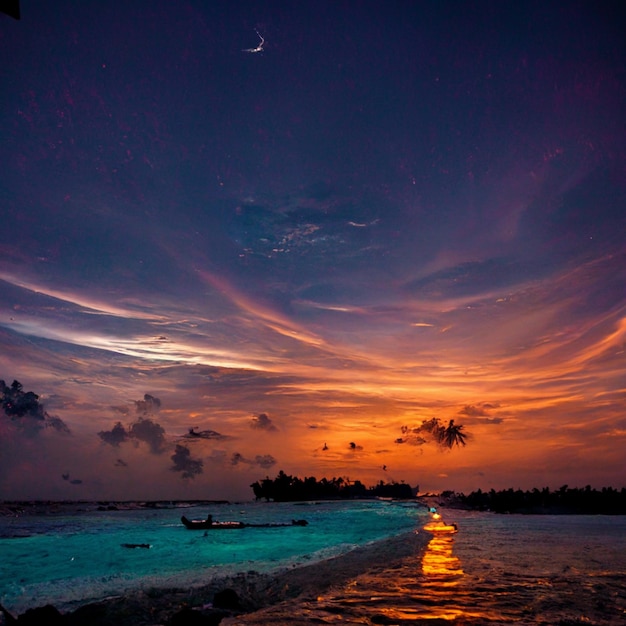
{"x": 94, "y": 614}
{"x": 47, "y": 615}
{"x": 191, "y": 617}
{"x": 6, "y": 618}
{"x": 227, "y": 599}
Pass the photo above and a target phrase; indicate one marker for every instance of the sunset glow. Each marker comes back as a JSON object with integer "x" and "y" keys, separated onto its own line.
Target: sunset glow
{"x": 414, "y": 217}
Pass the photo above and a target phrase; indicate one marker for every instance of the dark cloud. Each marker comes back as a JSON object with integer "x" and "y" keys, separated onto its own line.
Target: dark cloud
{"x": 114, "y": 437}
{"x": 25, "y": 411}
{"x": 121, "y": 463}
{"x": 18, "y": 403}
{"x": 73, "y": 481}
{"x": 265, "y": 460}
{"x": 184, "y": 463}
{"x": 194, "y": 434}
{"x": 412, "y": 435}
{"x": 238, "y": 458}
{"x": 148, "y": 405}
{"x": 149, "y": 432}
{"x": 263, "y": 422}
{"x": 480, "y": 410}
{"x": 494, "y": 420}
{"x": 472, "y": 411}
{"x": 427, "y": 430}
{"x": 411, "y": 439}
{"x": 52, "y": 421}
{"x": 144, "y": 429}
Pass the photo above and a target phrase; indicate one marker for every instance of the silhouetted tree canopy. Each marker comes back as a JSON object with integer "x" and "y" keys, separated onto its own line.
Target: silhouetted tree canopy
{"x": 286, "y": 488}
{"x": 607, "y": 501}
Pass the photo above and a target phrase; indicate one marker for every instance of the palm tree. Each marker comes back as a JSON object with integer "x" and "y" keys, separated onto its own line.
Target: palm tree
{"x": 452, "y": 435}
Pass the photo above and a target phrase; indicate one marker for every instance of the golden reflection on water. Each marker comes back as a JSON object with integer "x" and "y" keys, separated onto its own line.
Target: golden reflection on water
{"x": 442, "y": 575}
{"x": 444, "y": 592}
{"x": 438, "y": 560}
{"x": 422, "y": 588}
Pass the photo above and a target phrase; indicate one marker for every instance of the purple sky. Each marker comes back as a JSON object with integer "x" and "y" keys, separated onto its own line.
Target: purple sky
{"x": 395, "y": 211}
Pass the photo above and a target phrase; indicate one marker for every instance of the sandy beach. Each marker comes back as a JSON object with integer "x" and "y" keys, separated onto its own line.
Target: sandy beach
{"x": 278, "y": 602}
{"x": 260, "y": 598}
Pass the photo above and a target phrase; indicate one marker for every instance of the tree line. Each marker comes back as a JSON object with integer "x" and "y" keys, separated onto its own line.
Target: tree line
{"x": 606, "y": 501}
{"x": 286, "y": 488}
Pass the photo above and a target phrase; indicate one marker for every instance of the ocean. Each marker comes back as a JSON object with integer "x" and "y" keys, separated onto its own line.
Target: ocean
{"x": 497, "y": 569}
{"x": 68, "y": 554}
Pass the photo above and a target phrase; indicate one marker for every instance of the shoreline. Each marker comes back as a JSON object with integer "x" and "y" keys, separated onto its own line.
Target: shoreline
{"x": 21, "y": 508}
{"x": 241, "y": 598}
{"x": 309, "y": 582}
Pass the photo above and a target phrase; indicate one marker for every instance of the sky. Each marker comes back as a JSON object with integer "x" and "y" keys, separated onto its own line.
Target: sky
{"x": 244, "y": 237}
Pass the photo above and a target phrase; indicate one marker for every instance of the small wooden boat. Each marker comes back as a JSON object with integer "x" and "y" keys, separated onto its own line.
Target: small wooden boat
{"x": 209, "y": 524}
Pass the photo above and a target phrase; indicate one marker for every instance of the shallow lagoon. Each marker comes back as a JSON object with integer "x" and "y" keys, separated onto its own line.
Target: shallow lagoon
{"x": 71, "y": 557}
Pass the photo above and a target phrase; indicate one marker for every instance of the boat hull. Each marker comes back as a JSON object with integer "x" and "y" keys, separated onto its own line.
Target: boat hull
{"x": 192, "y": 524}
{"x": 206, "y": 525}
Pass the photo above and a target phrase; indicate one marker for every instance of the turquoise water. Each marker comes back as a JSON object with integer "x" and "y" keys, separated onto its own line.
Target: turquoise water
{"x": 71, "y": 557}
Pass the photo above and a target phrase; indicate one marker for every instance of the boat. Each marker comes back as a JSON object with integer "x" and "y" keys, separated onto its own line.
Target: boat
{"x": 210, "y": 524}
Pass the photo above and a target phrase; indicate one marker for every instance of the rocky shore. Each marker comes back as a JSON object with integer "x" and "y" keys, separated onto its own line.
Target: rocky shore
{"x": 240, "y": 599}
